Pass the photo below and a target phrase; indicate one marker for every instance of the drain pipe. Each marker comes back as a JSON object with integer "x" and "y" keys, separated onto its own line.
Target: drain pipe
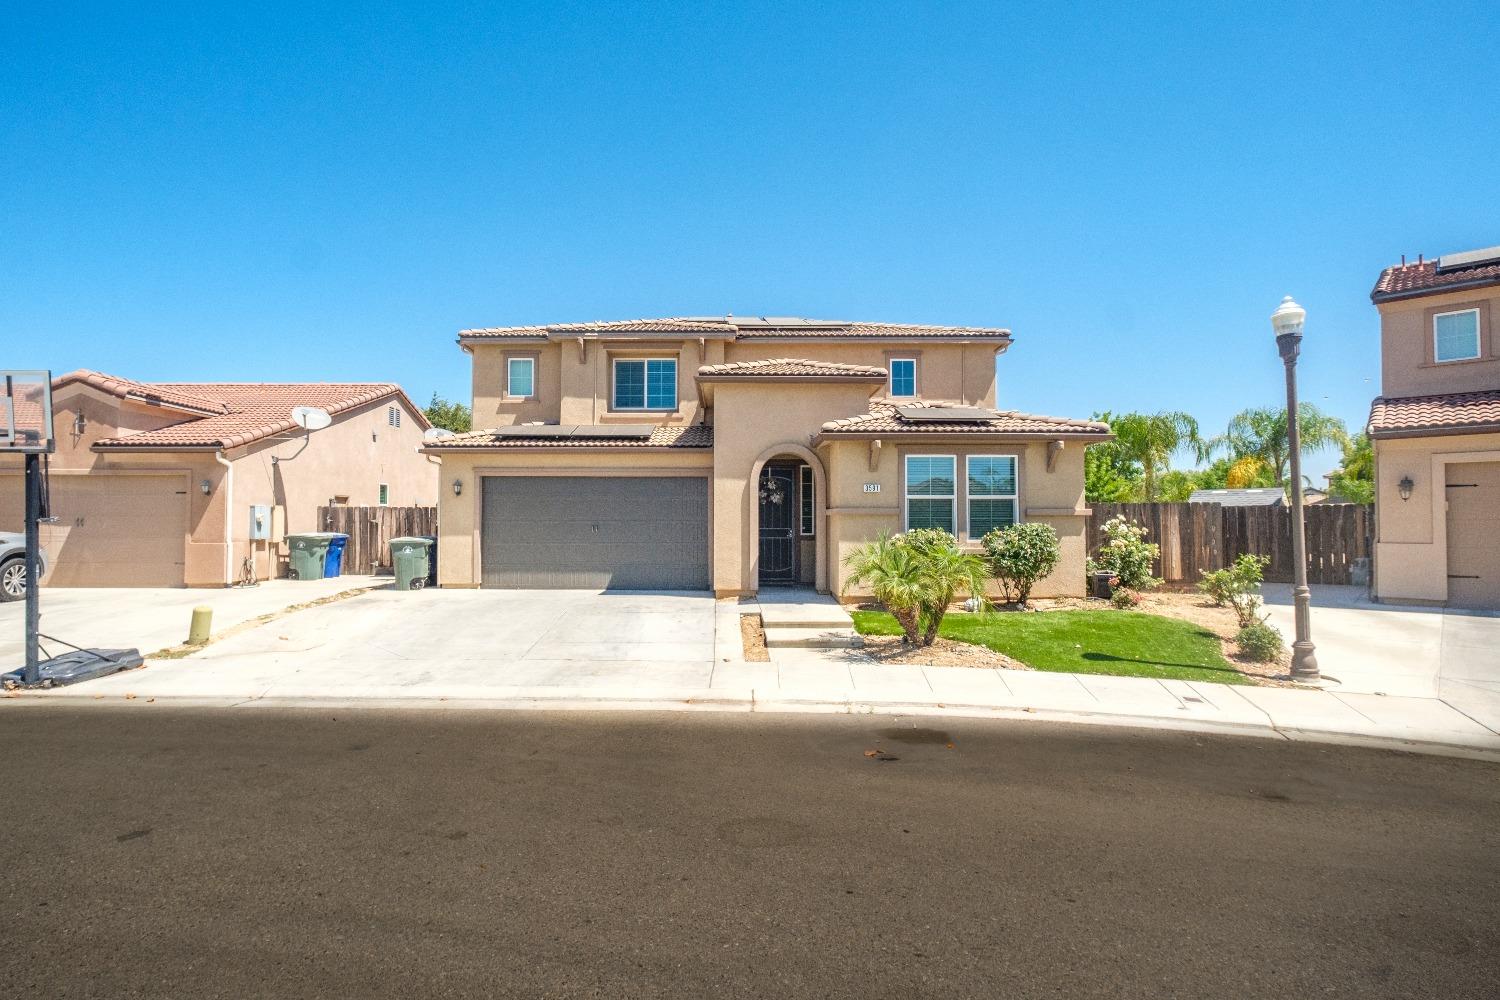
{"x": 228, "y": 516}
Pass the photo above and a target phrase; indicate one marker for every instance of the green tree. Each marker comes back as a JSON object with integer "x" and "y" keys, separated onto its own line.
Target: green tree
{"x": 1354, "y": 480}
{"x": 1109, "y": 474}
{"x": 1261, "y": 433}
{"x": 1149, "y": 439}
{"x": 1020, "y": 555}
{"x": 453, "y": 416}
{"x": 916, "y": 576}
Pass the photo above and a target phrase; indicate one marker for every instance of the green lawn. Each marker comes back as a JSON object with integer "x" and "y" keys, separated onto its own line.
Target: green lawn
{"x": 1123, "y": 643}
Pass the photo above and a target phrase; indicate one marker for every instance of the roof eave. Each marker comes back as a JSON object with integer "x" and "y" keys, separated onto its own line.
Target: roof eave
{"x": 1093, "y": 437}
{"x": 1444, "y": 431}
{"x": 1378, "y": 296}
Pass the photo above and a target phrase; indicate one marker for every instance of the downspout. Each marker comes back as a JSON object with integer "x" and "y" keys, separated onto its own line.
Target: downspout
{"x": 228, "y": 516}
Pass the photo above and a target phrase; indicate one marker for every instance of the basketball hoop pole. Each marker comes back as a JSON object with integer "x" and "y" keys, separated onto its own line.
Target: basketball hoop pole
{"x": 33, "y": 671}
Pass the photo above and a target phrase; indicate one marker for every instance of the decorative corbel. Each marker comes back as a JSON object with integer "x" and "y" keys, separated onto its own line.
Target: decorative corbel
{"x": 1054, "y": 448}
{"x": 875, "y": 454}
{"x": 583, "y": 354}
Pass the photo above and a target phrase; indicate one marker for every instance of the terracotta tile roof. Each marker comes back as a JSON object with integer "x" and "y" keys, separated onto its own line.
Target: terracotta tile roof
{"x": 124, "y": 388}
{"x": 791, "y": 368}
{"x": 884, "y": 418}
{"x": 691, "y": 436}
{"x": 1447, "y": 413}
{"x": 250, "y": 411}
{"x": 744, "y": 328}
{"x": 1406, "y": 281}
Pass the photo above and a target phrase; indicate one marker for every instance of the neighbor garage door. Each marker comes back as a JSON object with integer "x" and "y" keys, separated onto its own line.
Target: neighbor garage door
{"x": 595, "y": 532}
{"x": 111, "y": 530}
{"x": 1474, "y": 535}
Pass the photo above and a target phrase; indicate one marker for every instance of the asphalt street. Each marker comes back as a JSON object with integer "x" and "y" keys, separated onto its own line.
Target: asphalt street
{"x": 172, "y": 852}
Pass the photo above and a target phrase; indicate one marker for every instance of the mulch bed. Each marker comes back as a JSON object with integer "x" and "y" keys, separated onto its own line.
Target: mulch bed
{"x": 753, "y": 637}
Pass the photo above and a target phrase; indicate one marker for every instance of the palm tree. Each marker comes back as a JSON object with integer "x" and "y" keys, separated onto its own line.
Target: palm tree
{"x": 891, "y": 569}
{"x": 1260, "y": 433}
{"x": 945, "y": 572}
{"x": 1151, "y": 438}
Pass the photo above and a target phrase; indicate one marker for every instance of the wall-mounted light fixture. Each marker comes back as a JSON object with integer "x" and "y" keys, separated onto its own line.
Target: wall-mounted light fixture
{"x": 206, "y": 486}
{"x": 458, "y": 487}
{"x": 1405, "y": 487}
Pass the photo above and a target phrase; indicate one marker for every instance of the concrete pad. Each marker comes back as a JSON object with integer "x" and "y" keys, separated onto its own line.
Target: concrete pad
{"x": 1131, "y": 695}
{"x": 1220, "y": 702}
{"x": 782, "y": 637}
{"x": 1039, "y": 688}
{"x": 1289, "y": 708}
{"x": 886, "y": 682}
{"x": 820, "y": 681}
{"x": 1420, "y": 719}
{"x": 966, "y": 685}
{"x": 749, "y": 676}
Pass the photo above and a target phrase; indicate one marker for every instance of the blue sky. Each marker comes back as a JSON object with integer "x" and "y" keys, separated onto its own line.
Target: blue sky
{"x": 303, "y": 192}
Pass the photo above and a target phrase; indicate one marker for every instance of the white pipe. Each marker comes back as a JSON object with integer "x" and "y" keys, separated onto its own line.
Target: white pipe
{"x": 228, "y": 517}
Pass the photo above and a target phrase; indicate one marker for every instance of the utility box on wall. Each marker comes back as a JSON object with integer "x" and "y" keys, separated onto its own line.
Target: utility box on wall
{"x": 260, "y": 522}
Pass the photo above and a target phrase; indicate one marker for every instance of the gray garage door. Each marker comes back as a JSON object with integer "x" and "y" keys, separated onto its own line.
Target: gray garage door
{"x": 595, "y": 532}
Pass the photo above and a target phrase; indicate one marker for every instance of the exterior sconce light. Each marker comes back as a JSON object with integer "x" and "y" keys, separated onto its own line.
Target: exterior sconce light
{"x": 1405, "y": 487}
{"x": 206, "y": 486}
{"x": 458, "y": 487}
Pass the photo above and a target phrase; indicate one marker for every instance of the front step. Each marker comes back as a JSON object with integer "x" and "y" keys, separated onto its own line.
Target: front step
{"x": 783, "y": 637}
{"x": 804, "y": 614}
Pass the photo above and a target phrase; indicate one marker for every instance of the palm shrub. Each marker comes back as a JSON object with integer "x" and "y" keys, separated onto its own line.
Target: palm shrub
{"x": 890, "y": 569}
{"x": 944, "y": 572}
{"x": 1126, "y": 555}
{"x": 1019, "y": 556}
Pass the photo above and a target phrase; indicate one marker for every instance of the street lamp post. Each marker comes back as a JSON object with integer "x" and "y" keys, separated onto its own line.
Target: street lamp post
{"x": 1287, "y": 322}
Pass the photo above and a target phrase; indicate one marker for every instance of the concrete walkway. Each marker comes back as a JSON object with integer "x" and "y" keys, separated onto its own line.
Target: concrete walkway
{"x": 516, "y": 649}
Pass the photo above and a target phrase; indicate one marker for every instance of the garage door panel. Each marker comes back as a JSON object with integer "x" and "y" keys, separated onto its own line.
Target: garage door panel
{"x": 588, "y": 532}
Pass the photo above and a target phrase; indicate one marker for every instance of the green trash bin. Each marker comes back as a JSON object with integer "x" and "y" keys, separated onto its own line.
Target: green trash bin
{"x": 411, "y": 558}
{"x": 309, "y": 553}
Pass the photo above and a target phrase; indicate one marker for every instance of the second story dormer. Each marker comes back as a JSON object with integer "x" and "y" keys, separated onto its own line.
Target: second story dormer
{"x": 643, "y": 371}
{"x": 1437, "y": 324}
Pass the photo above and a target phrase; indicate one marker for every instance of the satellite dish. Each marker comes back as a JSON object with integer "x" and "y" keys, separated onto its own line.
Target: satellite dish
{"x": 311, "y": 417}
{"x": 436, "y": 434}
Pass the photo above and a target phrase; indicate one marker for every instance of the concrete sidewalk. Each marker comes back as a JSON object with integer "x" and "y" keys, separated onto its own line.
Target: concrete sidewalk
{"x": 652, "y": 652}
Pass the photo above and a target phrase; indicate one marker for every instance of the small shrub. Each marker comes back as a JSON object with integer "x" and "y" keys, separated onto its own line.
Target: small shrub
{"x": 1260, "y": 642}
{"x": 1124, "y": 597}
{"x": 1019, "y": 556}
{"x": 1238, "y": 586}
{"x": 1127, "y": 555}
{"x": 917, "y": 576}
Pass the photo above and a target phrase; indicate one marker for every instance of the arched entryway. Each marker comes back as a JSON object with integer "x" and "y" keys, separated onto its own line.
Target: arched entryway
{"x": 787, "y": 519}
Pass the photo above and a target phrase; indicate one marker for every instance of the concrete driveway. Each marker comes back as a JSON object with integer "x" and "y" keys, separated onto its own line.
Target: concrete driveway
{"x": 153, "y": 618}
{"x": 449, "y": 643}
{"x": 1401, "y": 650}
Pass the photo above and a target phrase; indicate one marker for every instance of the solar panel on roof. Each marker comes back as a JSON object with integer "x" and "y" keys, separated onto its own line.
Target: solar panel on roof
{"x": 1469, "y": 258}
{"x": 944, "y": 414}
{"x": 613, "y": 431}
{"x": 536, "y": 430}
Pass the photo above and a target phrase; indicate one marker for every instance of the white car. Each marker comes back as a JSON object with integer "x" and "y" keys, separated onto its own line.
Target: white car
{"x": 13, "y": 565}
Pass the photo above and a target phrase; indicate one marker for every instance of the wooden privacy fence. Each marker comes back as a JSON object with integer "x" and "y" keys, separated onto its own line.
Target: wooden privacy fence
{"x": 1199, "y": 537}
{"x": 370, "y": 530}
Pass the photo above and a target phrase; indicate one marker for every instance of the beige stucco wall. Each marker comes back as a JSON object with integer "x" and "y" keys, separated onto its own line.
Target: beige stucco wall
{"x": 1411, "y": 545}
{"x": 459, "y": 515}
{"x": 573, "y": 383}
{"x": 351, "y": 457}
{"x": 1053, "y": 497}
{"x": 1406, "y": 358}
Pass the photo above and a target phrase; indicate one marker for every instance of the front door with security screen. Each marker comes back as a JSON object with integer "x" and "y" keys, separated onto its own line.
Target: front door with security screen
{"x": 778, "y": 522}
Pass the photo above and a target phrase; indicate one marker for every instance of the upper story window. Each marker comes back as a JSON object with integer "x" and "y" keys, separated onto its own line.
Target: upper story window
{"x": 393, "y": 416}
{"x": 903, "y": 376}
{"x": 1455, "y": 335}
{"x": 645, "y": 384}
{"x": 992, "y": 493}
{"x": 932, "y": 492}
{"x": 520, "y": 377}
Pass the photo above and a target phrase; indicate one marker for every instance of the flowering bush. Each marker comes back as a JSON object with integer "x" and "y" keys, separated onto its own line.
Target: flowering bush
{"x": 1126, "y": 554}
{"x": 1238, "y": 586}
{"x": 1019, "y": 556}
{"x": 1124, "y": 598}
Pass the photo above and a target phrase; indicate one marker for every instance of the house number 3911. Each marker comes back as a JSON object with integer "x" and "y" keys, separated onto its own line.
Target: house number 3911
{"x": 872, "y": 487}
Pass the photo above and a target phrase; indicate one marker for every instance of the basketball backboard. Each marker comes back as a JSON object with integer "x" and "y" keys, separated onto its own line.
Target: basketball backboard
{"x": 26, "y": 411}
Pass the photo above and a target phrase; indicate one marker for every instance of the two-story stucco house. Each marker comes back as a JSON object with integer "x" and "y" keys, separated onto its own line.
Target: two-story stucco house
{"x": 731, "y": 453}
{"x": 1436, "y": 432}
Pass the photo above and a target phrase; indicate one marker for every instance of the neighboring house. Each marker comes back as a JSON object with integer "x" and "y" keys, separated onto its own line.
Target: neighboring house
{"x": 1260, "y": 496}
{"x": 1436, "y": 432}
{"x": 728, "y": 453}
{"x": 149, "y": 479}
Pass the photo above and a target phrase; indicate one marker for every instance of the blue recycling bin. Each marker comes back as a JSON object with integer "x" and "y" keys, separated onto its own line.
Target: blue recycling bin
{"x": 333, "y": 562}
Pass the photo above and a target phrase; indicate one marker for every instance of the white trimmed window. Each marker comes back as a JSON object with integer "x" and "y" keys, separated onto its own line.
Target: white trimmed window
{"x": 993, "y": 496}
{"x": 1455, "y": 335}
{"x": 645, "y": 384}
{"x": 931, "y": 492}
{"x": 903, "y": 376}
{"x": 520, "y": 377}
{"x": 805, "y": 498}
